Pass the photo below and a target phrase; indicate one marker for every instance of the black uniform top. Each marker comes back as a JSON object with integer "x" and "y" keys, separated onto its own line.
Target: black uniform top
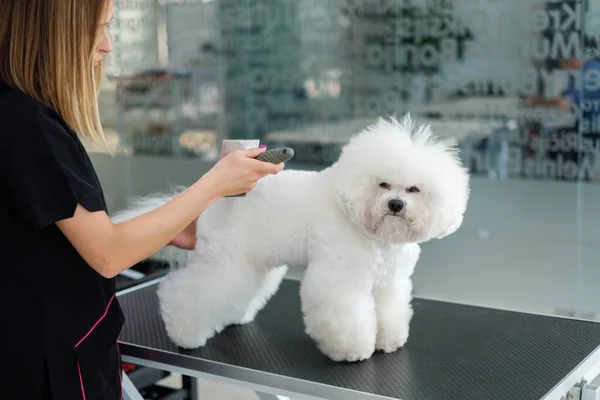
{"x": 60, "y": 318}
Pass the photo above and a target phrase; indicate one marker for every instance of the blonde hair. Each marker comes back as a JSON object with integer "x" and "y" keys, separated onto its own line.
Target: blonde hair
{"x": 46, "y": 51}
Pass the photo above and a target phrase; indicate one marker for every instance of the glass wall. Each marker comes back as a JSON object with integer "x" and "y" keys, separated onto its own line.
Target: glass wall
{"x": 514, "y": 83}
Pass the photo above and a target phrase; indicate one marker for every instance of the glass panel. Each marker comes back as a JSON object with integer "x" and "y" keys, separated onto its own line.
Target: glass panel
{"x": 588, "y": 234}
{"x": 514, "y": 84}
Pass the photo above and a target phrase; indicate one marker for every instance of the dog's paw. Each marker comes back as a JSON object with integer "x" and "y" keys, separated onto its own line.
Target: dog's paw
{"x": 351, "y": 356}
{"x": 187, "y": 338}
{"x": 188, "y": 342}
{"x": 247, "y": 318}
{"x": 390, "y": 340}
{"x": 349, "y": 351}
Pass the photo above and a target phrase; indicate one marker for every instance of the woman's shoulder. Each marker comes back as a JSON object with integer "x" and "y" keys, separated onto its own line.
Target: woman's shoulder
{"x": 43, "y": 159}
{"x": 29, "y": 121}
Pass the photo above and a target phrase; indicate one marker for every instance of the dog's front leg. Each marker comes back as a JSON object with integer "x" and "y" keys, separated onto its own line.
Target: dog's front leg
{"x": 393, "y": 295}
{"x": 338, "y": 308}
{"x": 394, "y": 313}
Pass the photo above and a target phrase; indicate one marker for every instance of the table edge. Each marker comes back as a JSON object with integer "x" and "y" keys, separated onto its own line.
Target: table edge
{"x": 199, "y": 367}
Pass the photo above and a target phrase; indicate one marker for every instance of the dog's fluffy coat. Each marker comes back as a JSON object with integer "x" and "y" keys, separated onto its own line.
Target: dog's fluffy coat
{"x": 356, "y": 226}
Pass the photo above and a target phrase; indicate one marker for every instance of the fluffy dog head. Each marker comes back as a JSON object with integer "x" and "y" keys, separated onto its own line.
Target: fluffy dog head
{"x": 399, "y": 184}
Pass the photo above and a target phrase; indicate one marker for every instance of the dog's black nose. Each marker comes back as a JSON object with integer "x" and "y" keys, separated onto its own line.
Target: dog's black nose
{"x": 396, "y": 205}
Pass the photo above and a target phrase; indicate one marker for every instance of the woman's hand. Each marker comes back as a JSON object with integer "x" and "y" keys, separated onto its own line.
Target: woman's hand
{"x": 238, "y": 172}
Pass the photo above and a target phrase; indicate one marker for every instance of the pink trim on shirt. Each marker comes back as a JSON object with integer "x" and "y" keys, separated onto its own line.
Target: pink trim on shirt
{"x": 81, "y": 380}
{"x": 97, "y": 322}
{"x": 118, "y": 369}
{"x": 83, "y": 338}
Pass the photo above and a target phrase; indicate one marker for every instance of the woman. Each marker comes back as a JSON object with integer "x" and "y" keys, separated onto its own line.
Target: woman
{"x": 60, "y": 250}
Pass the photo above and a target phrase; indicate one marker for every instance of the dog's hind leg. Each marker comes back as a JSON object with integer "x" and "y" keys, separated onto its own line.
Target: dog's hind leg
{"x": 267, "y": 289}
{"x": 200, "y": 300}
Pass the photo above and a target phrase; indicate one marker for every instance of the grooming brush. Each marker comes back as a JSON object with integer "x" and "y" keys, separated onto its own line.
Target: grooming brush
{"x": 276, "y": 156}
{"x": 273, "y": 156}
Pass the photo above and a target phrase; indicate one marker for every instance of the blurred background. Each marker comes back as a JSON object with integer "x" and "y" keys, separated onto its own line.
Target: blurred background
{"x": 514, "y": 83}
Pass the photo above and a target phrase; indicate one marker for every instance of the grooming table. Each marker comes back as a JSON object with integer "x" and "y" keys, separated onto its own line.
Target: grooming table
{"x": 454, "y": 352}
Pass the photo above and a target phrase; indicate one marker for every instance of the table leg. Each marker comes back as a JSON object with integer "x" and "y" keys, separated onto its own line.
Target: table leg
{"x": 130, "y": 392}
{"x": 269, "y": 396}
{"x": 190, "y": 383}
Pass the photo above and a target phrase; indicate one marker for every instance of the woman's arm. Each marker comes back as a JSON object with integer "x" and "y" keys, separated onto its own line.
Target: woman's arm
{"x": 111, "y": 248}
{"x": 187, "y": 239}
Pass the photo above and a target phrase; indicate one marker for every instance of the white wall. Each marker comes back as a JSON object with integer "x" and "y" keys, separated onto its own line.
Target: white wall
{"x": 528, "y": 245}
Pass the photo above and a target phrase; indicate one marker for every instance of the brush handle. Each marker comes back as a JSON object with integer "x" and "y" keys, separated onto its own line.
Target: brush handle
{"x": 274, "y": 156}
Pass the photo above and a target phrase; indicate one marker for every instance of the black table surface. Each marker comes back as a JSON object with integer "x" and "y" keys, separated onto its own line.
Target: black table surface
{"x": 454, "y": 352}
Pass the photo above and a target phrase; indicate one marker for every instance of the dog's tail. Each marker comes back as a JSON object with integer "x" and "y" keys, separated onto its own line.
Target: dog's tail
{"x": 173, "y": 255}
{"x": 143, "y": 204}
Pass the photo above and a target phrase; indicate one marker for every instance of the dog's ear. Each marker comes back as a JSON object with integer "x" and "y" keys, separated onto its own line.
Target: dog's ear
{"x": 455, "y": 200}
{"x": 450, "y": 226}
{"x": 449, "y": 216}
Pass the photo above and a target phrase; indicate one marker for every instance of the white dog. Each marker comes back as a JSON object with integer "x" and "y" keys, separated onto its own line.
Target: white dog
{"x": 356, "y": 226}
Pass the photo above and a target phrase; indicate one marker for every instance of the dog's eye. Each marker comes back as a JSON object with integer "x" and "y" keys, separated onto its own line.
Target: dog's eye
{"x": 413, "y": 189}
{"x": 385, "y": 185}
